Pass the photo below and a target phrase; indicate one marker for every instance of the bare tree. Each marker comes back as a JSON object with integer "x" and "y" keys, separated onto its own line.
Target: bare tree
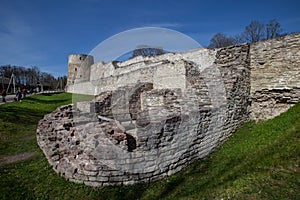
{"x": 254, "y": 32}
{"x": 273, "y": 29}
{"x": 221, "y": 40}
{"x": 145, "y": 50}
{"x": 28, "y": 77}
{"x": 239, "y": 39}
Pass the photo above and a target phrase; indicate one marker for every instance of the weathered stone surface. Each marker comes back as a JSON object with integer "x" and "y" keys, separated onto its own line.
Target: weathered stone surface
{"x": 275, "y": 76}
{"x": 167, "y": 111}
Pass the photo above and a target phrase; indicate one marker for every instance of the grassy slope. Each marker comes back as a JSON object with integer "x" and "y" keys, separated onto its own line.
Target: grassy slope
{"x": 260, "y": 161}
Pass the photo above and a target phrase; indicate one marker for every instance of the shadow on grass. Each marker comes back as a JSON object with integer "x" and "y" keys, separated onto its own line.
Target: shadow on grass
{"x": 171, "y": 185}
{"x": 46, "y": 101}
{"x": 32, "y": 109}
{"x": 10, "y": 188}
{"x": 20, "y": 116}
{"x": 119, "y": 192}
{"x": 13, "y": 184}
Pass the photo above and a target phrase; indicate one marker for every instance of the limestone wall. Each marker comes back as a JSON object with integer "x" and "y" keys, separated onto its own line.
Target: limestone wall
{"x": 157, "y": 130}
{"x": 167, "y": 111}
{"x": 274, "y": 67}
{"x": 275, "y": 76}
{"x": 141, "y": 69}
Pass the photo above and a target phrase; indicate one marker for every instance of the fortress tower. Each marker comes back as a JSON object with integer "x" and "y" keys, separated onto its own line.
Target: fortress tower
{"x": 79, "y": 68}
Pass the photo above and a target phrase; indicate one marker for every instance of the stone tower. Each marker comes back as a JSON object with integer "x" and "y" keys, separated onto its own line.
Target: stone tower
{"x": 79, "y": 68}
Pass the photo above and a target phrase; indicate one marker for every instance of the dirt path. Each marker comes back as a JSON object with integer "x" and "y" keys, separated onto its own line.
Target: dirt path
{"x": 17, "y": 158}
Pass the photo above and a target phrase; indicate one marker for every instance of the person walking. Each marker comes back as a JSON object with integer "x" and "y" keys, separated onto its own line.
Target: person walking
{"x": 19, "y": 95}
{"x": 3, "y": 94}
{"x": 24, "y": 91}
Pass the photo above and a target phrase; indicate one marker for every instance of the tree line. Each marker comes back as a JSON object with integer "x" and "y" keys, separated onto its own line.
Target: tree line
{"x": 254, "y": 32}
{"x": 30, "y": 77}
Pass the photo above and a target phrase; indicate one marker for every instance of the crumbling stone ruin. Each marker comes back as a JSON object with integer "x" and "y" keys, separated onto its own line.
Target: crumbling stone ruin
{"x": 151, "y": 117}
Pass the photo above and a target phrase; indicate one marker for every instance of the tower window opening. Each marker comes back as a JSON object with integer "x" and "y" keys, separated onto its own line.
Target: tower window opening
{"x": 75, "y": 69}
{"x": 79, "y": 58}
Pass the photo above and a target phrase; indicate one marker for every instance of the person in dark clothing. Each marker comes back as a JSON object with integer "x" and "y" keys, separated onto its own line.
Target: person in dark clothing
{"x": 3, "y": 93}
{"x": 19, "y": 95}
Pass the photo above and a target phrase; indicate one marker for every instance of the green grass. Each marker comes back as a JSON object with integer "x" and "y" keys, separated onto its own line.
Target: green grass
{"x": 260, "y": 161}
{"x": 18, "y": 121}
{"x": 82, "y": 97}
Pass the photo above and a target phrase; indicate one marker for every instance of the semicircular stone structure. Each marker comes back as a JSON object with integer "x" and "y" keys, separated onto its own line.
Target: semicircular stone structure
{"x": 153, "y": 116}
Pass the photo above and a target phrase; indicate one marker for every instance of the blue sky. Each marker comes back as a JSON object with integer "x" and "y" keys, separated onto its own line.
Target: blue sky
{"x": 43, "y": 33}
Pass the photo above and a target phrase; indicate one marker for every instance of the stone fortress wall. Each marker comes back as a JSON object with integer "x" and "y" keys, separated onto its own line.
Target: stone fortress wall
{"x": 140, "y": 69}
{"x": 274, "y": 66}
{"x": 168, "y": 111}
{"x": 275, "y": 76}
